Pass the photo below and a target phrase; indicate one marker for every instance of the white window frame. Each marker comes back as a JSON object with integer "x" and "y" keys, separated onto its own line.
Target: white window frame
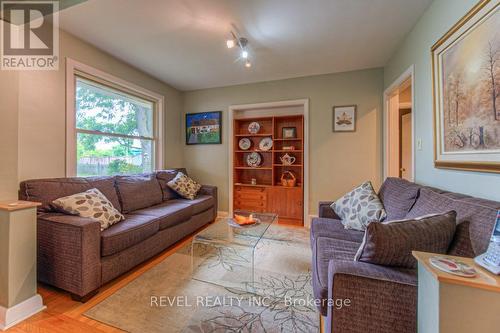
{"x": 74, "y": 69}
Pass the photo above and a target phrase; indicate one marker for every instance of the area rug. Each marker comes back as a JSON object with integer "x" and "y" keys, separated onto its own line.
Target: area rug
{"x": 167, "y": 299}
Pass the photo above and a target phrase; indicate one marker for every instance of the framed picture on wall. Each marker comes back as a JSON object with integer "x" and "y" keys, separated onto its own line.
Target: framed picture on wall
{"x": 289, "y": 132}
{"x": 204, "y": 128}
{"x": 344, "y": 118}
{"x": 466, "y": 84}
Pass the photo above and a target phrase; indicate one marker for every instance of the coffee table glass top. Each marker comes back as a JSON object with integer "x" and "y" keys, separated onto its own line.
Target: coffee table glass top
{"x": 224, "y": 254}
{"x": 222, "y": 232}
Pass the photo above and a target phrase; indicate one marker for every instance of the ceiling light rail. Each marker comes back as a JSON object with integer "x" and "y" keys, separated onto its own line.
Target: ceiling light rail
{"x": 242, "y": 44}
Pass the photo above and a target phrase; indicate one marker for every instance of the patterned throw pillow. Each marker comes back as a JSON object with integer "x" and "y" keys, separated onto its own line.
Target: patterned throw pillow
{"x": 391, "y": 243}
{"x": 92, "y": 204}
{"x": 359, "y": 207}
{"x": 185, "y": 186}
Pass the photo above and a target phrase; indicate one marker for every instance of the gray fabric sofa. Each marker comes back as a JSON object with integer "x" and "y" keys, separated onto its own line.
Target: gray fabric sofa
{"x": 384, "y": 299}
{"x": 73, "y": 253}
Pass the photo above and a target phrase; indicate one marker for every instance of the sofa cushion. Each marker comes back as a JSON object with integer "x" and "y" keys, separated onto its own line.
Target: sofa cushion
{"x": 201, "y": 203}
{"x": 398, "y": 196}
{"x": 92, "y": 204}
{"x": 169, "y": 213}
{"x": 333, "y": 229}
{"x": 164, "y": 176}
{"x": 359, "y": 207}
{"x": 184, "y": 186}
{"x": 134, "y": 229}
{"x": 46, "y": 191}
{"x": 324, "y": 250}
{"x": 475, "y": 218}
{"x": 138, "y": 191}
{"x": 392, "y": 243}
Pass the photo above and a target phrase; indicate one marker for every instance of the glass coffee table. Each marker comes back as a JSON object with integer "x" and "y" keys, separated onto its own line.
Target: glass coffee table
{"x": 224, "y": 254}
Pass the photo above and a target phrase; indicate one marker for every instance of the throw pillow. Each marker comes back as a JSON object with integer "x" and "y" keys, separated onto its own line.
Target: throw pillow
{"x": 185, "y": 186}
{"x": 92, "y": 204}
{"x": 391, "y": 243}
{"x": 359, "y": 207}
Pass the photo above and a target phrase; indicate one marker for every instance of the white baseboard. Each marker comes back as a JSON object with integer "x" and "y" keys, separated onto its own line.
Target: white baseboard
{"x": 19, "y": 312}
{"x": 222, "y": 213}
{"x": 307, "y": 223}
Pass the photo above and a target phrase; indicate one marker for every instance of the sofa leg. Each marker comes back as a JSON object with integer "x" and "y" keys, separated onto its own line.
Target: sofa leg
{"x": 84, "y": 298}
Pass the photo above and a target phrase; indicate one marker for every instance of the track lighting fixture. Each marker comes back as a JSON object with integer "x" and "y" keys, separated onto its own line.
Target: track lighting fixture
{"x": 242, "y": 44}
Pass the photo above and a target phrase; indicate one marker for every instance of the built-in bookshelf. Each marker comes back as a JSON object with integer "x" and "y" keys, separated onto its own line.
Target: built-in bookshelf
{"x": 259, "y": 188}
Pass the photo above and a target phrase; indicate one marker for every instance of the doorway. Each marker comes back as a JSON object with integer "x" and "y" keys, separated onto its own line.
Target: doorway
{"x": 399, "y": 128}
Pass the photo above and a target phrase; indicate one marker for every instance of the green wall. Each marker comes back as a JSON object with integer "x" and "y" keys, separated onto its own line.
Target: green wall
{"x": 416, "y": 50}
{"x": 338, "y": 161}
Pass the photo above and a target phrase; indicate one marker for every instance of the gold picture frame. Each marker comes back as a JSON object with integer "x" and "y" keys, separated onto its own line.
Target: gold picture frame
{"x": 459, "y": 137}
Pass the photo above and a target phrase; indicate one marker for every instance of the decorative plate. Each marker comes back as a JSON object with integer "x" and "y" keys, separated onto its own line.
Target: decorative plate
{"x": 254, "y": 127}
{"x": 254, "y": 160}
{"x": 245, "y": 143}
{"x": 453, "y": 266}
{"x": 266, "y": 144}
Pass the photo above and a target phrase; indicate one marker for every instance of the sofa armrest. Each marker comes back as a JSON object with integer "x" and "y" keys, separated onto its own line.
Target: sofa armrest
{"x": 328, "y": 228}
{"x": 212, "y": 191}
{"x": 69, "y": 252}
{"x": 381, "y": 299}
{"x": 326, "y": 211}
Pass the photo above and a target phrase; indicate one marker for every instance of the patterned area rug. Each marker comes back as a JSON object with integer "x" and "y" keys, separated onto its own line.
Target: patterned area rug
{"x": 167, "y": 299}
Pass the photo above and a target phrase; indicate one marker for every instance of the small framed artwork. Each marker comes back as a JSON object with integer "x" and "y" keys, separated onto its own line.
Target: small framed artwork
{"x": 344, "y": 118}
{"x": 204, "y": 128}
{"x": 289, "y": 132}
{"x": 466, "y": 73}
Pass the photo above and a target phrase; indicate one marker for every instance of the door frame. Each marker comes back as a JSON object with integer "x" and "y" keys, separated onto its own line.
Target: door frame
{"x": 407, "y": 74}
{"x": 304, "y": 103}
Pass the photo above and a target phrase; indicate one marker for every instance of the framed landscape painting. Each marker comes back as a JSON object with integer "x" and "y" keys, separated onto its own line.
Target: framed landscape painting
{"x": 466, "y": 84}
{"x": 204, "y": 128}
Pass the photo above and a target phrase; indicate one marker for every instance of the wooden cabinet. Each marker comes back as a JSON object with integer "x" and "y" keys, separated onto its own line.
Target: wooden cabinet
{"x": 250, "y": 198}
{"x": 267, "y": 194}
{"x": 287, "y": 203}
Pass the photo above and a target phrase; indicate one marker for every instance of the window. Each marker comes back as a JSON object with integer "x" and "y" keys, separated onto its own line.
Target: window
{"x": 114, "y": 129}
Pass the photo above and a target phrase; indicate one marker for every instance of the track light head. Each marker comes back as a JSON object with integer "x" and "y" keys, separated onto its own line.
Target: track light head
{"x": 243, "y": 42}
{"x": 230, "y": 43}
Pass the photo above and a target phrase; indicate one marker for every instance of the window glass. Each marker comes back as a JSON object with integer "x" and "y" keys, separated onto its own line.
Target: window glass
{"x": 114, "y": 131}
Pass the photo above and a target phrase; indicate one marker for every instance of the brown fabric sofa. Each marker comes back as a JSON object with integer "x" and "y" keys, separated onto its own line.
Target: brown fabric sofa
{"x": 384, "y": 299}
{"x": 73, "y": 253}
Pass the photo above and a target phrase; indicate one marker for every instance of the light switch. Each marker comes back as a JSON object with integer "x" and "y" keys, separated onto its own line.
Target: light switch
{"x": 419, "y": 143}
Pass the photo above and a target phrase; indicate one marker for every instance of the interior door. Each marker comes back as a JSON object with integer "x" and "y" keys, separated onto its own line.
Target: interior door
{"x": 393, "y": 136}
{"x": 405, "y": 144}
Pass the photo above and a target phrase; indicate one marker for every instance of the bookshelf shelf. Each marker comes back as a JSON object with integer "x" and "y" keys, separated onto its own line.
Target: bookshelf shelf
{"x": 268, "y": 194}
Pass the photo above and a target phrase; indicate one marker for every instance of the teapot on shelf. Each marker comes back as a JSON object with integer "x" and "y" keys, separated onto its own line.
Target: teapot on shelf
{"x": 287, "y": 159}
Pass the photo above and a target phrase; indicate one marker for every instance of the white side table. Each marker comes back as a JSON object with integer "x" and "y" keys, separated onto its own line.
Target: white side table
{"x": 18, "y": 287}
{"x": 449, "y": 303}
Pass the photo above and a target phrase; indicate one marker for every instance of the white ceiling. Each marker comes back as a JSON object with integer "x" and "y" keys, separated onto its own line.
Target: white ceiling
{"x": 182, "y": 42}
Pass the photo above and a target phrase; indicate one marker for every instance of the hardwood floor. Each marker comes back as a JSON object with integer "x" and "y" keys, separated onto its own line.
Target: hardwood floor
{"x": 63, "y": 315}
